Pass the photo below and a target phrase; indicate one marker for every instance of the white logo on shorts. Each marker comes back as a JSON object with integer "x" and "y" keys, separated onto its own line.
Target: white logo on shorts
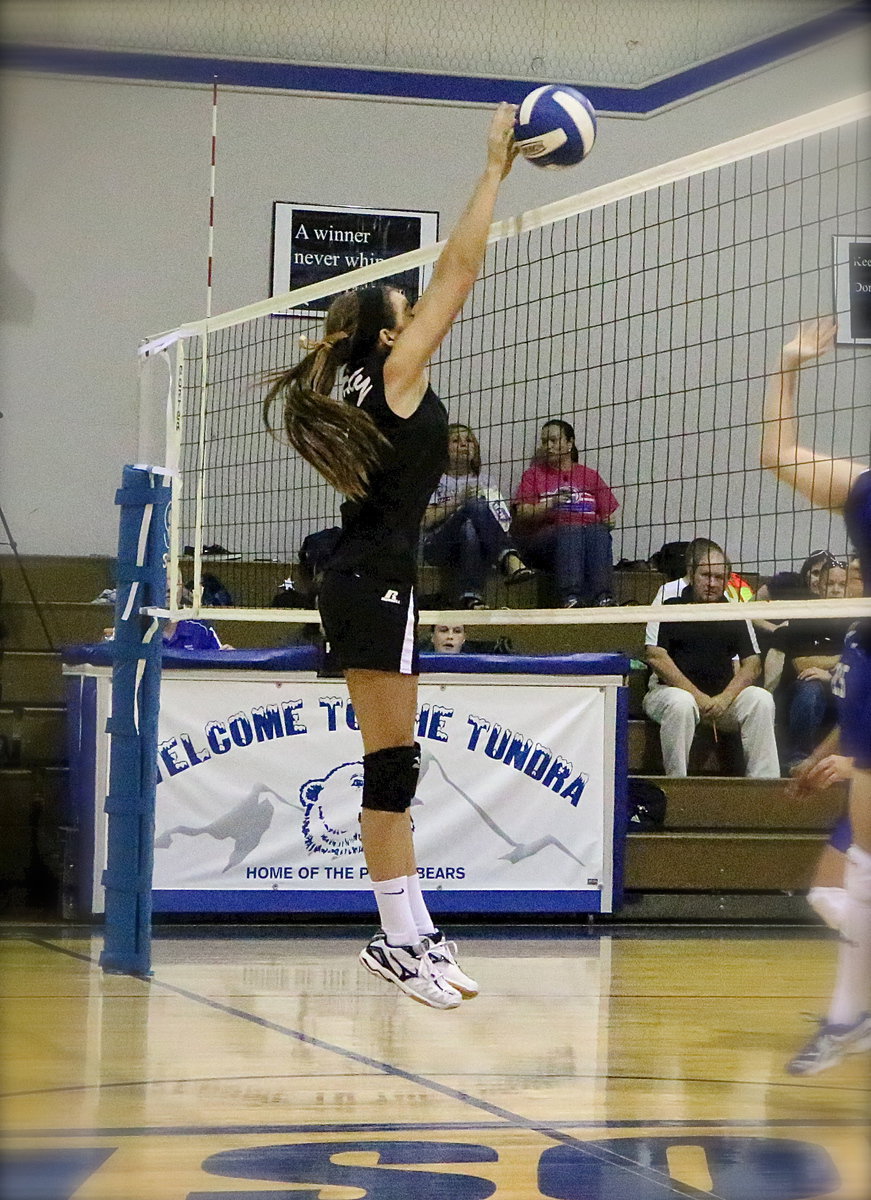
{"x": 391, "y": 597}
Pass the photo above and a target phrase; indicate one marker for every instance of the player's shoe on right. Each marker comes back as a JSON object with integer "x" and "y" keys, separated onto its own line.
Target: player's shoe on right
{"x": 444, "y": 956}
{"x": 412, "y": 970}
{"x": 830, "y": 1044}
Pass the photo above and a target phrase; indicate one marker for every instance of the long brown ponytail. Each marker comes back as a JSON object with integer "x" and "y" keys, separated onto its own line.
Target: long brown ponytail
{"x": 340, "y": 441}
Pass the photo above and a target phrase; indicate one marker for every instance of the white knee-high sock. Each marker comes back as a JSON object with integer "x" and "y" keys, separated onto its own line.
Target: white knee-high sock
{"x": 420, "y": 912}
{"x": 853, "y": 979}
{"x": 829, "y": 903}
{"x": 397, "y": 919}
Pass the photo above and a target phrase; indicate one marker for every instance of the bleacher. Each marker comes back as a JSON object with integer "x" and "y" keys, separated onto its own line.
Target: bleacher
{"x": 732, "y": 848}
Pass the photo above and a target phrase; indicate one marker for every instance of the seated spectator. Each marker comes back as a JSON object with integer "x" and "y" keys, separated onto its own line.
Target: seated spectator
{"x": 799, "y": 667}
{"x": 738, "y": 588}
{"x": 784, "y": 585}
{"x": 694, "y": 678}
{"x": 790, "y": 585}
{"x": 192, "y": 635}
{"x": 448, "y": 639}
{"x": 696, "y": 550}
{"x": 810, "y": 570}
{"x": 562, "y": 512}
{"x": 465, "y": 526}
{"x": 184, "y": 635}
{"x": 451, "y": 639}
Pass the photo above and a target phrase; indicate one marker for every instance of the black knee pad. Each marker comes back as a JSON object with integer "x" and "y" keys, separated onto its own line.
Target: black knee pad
{"x": 390, "y": 778}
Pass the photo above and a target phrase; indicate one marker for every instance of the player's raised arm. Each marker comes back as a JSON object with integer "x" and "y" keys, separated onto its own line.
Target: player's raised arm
{"x": 824, "y": 480}
{"x": 453, "y": 277}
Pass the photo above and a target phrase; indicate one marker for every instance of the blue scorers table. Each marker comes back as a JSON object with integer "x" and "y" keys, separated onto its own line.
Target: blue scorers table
{"x": 521, "y": 805}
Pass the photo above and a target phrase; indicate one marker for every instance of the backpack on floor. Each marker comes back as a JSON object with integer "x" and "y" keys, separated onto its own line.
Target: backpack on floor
{"x": 647, "y": 805}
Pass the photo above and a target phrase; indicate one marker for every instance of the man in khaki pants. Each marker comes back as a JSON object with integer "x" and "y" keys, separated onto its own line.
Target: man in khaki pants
{"x": 694, "y": 677}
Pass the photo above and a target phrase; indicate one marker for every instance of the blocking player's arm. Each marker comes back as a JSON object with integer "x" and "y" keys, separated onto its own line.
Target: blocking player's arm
{"x": 824, "y": 480}
{"x": 453, "y": 277}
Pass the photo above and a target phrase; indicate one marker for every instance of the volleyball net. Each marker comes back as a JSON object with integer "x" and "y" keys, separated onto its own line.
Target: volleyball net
{"x": 647, "y": 313}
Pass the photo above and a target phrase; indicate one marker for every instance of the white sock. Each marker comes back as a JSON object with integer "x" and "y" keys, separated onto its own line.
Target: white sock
{"x": 419, "y": 910}
{"x": 397, "y": 921}
{"x": 829, "y": 903}
{"x": 853, "y": 978}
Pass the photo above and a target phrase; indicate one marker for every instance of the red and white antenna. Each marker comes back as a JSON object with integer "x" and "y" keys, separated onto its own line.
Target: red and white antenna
{"x": 212, "y": 192}
{"x": 204, "y": 368}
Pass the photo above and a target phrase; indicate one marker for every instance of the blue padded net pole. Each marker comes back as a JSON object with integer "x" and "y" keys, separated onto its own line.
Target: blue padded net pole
{"x": 142, "y": 544}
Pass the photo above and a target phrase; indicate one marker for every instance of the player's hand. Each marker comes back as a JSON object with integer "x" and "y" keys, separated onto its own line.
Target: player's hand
{"x": 703, "y": 702}
{"x": 813, "y": 340}
{"x": 813, "y": 776}
{"x": 501, "y": 147}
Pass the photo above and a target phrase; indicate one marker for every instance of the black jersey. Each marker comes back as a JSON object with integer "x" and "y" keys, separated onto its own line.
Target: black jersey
{"x": 380, "y": 533}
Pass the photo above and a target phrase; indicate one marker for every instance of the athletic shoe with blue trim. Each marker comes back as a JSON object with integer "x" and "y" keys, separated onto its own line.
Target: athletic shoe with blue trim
{"x": 444, "y": 957}
{"x": 830, "y": 1044}
{"x": 412, "y": 970}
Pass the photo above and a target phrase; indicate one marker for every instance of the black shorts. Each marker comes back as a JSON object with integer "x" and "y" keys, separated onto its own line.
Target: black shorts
{"x": 370, "y": 624}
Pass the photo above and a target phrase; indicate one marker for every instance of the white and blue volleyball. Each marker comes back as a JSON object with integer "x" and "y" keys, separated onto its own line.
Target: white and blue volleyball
{"x": 555, "y": 126}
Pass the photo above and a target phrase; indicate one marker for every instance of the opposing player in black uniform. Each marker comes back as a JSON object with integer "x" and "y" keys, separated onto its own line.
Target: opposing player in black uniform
{"x": 844, "y": 485}
{"x": 384, "y": 446}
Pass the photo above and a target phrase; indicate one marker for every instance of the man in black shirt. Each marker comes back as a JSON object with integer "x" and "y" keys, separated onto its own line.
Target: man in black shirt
{"x": 694, "y": 678}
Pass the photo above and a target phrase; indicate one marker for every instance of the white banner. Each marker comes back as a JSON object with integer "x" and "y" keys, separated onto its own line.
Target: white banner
{"x": 261, "y": 784}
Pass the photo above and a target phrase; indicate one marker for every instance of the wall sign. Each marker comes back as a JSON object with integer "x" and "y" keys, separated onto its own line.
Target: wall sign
{"x": 312, "y": 243}
{"x": 853, "y": 289}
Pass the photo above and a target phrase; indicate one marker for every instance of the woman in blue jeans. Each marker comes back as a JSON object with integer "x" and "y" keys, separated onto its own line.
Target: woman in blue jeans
{"x": 563, "y": 511}
{"x": 799, "y": 667}
{"x": 465, "y": 526}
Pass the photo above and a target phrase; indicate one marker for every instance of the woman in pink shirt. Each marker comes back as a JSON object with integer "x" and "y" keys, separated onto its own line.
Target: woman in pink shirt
{"x": 561, "y": 510}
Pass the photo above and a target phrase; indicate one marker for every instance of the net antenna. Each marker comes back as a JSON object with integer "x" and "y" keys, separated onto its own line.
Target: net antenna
{"x": 645, "y": 311}
{"x": 197, "y": 588}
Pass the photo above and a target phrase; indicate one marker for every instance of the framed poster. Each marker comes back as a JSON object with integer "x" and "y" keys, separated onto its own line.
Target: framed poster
{"x": 312, "y": 243}
{"x": 853, "y": 289}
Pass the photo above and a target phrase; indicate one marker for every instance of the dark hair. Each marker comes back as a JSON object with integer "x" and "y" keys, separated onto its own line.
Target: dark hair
{"x": 568, "y": 431}
{"x": 475, "y": 456}
{"x": 786, "y": 585}
{"x": 698, "y": 550}
{"x": 339, "y": 440}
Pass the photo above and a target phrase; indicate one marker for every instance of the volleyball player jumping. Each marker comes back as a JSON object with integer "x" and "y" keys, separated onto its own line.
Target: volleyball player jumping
{"x": 384, "y": 446}
{"x": 841, "y": 485}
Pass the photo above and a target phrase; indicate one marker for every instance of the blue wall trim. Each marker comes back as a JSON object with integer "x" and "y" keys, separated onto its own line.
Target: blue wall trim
{"x": 416, "y": 85}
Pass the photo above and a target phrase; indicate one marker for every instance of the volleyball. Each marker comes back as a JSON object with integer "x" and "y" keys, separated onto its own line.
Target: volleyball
{"x": 555, "y": 127}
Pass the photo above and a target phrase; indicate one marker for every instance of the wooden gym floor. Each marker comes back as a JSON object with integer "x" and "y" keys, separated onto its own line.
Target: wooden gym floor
{"x": 624, "y": 1064}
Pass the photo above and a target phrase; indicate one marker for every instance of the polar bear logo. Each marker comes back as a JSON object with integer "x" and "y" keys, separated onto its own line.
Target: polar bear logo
{"x": 331, "y": 824}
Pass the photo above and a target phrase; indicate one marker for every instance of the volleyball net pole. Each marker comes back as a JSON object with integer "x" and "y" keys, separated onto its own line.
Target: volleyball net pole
{"x": 144, "y": 499}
